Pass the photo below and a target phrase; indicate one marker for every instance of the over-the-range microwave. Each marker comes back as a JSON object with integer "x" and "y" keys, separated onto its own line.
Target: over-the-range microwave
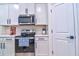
{"x": 26, "y": 19}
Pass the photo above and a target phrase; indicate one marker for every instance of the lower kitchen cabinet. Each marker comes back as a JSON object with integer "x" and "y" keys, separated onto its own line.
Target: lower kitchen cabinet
{"x": 41, "y": 46}
{"x": 7, "y": 47}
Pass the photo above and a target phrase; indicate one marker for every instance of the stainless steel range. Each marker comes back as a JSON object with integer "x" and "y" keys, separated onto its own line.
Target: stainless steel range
{"x": 25, "y": 43}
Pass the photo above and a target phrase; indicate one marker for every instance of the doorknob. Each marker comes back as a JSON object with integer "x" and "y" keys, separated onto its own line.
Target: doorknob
{"x": 71, "y": 37}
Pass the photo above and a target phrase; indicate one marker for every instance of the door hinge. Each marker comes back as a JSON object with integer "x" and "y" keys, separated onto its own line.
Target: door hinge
{"x": 51, "y": 10}
{"x": 51, "y": 31}
{"x": 52, "y": 51}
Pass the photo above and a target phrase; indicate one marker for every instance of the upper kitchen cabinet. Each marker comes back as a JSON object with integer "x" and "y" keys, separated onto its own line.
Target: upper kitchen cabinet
{"x": 41, "y": 13}
{"x": 27, "y": 8}
{"x": 3, "y": 14}
{"x": 13, "y": 13}
{"x": 9, "y": 14}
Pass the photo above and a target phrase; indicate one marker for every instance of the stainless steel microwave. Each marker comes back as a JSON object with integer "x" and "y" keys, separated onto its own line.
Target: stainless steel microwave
{"x": 26, "y": 19}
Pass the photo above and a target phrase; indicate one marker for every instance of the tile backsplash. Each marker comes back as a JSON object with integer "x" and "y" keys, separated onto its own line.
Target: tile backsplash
{"x": 38, "y": 29}
{"x": 2, "y": 29}
{"x": 5, "y": 30}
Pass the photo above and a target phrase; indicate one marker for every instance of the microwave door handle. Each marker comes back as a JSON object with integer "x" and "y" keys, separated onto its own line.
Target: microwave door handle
{"x": 31, "y": 19}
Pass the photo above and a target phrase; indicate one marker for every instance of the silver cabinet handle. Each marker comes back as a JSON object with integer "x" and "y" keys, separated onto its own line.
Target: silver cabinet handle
{"x": 8, "y": 39}
{"x": 35, "y": 20}
{"x": 3, "y": 45}
{"x": 0, "y": 45}
{"x": 35, "y": 44}
{"x": 8, "y": 21}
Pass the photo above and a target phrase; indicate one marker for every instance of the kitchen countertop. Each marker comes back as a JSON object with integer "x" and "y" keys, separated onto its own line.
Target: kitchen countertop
{"x": 41, "y": 35}
{"x": 15, "y": 35}
{"x": 7, "y": 36}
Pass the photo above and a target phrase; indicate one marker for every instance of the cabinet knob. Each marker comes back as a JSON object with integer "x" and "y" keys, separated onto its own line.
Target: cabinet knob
{"x": 41, "y": 39}
{"x": 8, "y": 39}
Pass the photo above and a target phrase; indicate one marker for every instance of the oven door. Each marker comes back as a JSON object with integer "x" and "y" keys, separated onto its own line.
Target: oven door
{"x": 22, "y": 47}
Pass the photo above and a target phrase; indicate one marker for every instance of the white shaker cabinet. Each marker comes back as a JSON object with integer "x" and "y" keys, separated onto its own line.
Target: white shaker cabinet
{"x": 41, "y": 46}
{"x": 27, "y": 8}
{"x": 16, "y": 9}
{"x": 3, "y": 14}
{"x": 41, "y": 13}
{"x": 9, "y": 14}
{"x": 7, "y": 46}
{"x": 13, "y": 13}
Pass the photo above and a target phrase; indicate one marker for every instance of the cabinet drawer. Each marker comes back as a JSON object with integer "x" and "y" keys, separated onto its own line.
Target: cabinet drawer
{"x": 41, "y": 38}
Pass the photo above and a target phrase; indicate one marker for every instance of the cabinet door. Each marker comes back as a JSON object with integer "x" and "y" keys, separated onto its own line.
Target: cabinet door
{"x": 41, "y": 47}
{"x": 3, "y": 14}
{"x": 9, "y": 49}
{"x": 24, "y": 7}
{"x": 13, "y": 14}
{"x": 41, "y": 14}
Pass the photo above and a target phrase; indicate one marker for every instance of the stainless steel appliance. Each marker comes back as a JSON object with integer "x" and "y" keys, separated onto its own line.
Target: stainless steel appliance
{"x": 26, "y": 19}
{"x": 25, "y": 43}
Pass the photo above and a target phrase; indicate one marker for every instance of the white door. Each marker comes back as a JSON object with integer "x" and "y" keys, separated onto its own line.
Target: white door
{"x": 63, "y": 30}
